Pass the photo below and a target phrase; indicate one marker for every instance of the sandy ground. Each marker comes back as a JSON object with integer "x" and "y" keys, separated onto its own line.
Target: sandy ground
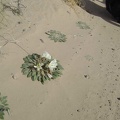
{"x": 89, "y": 87}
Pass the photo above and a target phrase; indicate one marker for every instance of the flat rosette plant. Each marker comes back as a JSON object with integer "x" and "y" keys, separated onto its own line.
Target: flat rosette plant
{"x": 82, "y": 25}
{"x": 41, "y": 67}
{"x": 57, "y": 36}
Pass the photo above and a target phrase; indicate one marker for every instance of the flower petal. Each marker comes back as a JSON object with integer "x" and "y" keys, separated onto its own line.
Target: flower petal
{"x": 35, "y": 66}
{"x": 46, "y": 55}
{"x": 49, "y": 75}
{"x": 53, "y": 64}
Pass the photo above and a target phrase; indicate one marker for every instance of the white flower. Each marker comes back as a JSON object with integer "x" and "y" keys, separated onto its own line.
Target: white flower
{"x": 49, "y": 75}
{"x": 46, "y": 55}
{"x": 53, "y": 64}
{"x": 38, "y": 66}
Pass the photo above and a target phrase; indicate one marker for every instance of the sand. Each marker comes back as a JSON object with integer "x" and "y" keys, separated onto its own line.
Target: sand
{"x": 89, "y": 86}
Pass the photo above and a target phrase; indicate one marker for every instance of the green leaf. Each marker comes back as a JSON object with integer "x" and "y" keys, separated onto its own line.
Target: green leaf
{"x": 39, "y": 78}
{"x": 4, "y": 97}
{"x": 25, "y": 71}
{"x": 29, "y": 58}
{"x": 30, "y": 64}
{"x": 34, "y": 78}
{"x": 42, "y": 81}
{"x": 25, "y": 65}
{"x": 3, "y": 106}
{"x": 1, "y": 115}
{"x": 43, "y": 78}
{"x": 25, "y": 59}
{"x": 29, "y": 74}
{"x": 46, "y": 77}
{"x": 34, "y": 72}
{"x": 60, "y": 67}
{"x": 35, "y": 56}
{"x": 54, "y": 77}
{"x": 4, "y": 101}
{"x": 6, "y": 104}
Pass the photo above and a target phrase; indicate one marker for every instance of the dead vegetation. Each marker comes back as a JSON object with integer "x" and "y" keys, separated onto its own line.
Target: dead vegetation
{"x": 74, "y": 3}
{"x": 9, "y": 6}
{"x": 80, "y": 3}
{"x": 15, "y": 9}
{"x": 6, "y": 6}
{"x": 71, "y": 2}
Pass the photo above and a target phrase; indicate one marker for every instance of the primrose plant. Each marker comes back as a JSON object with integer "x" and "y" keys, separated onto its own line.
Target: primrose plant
{"x": 41, "y": 67}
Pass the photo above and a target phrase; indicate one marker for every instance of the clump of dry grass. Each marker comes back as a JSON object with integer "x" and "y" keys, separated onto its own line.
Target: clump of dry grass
{"x": 71, "y": 2}
{"x": 16, "y": 10}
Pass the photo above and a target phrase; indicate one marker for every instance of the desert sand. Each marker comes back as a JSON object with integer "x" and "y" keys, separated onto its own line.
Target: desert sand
{"x": 89, "y": 86}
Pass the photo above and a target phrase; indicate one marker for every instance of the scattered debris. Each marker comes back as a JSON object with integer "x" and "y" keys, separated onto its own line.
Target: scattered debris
{"x": 42, "y": 40}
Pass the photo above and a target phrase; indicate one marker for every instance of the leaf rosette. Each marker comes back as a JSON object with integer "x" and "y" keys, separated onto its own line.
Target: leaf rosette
{"x": 56, "y": 36}
{"x": 3, "y": 106}
{"x": 82, "y": 25}
{"x": 41, "y": 67}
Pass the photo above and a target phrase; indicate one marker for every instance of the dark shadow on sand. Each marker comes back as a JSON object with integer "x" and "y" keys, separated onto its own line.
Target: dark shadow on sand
{"x": 99, "y": 11}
